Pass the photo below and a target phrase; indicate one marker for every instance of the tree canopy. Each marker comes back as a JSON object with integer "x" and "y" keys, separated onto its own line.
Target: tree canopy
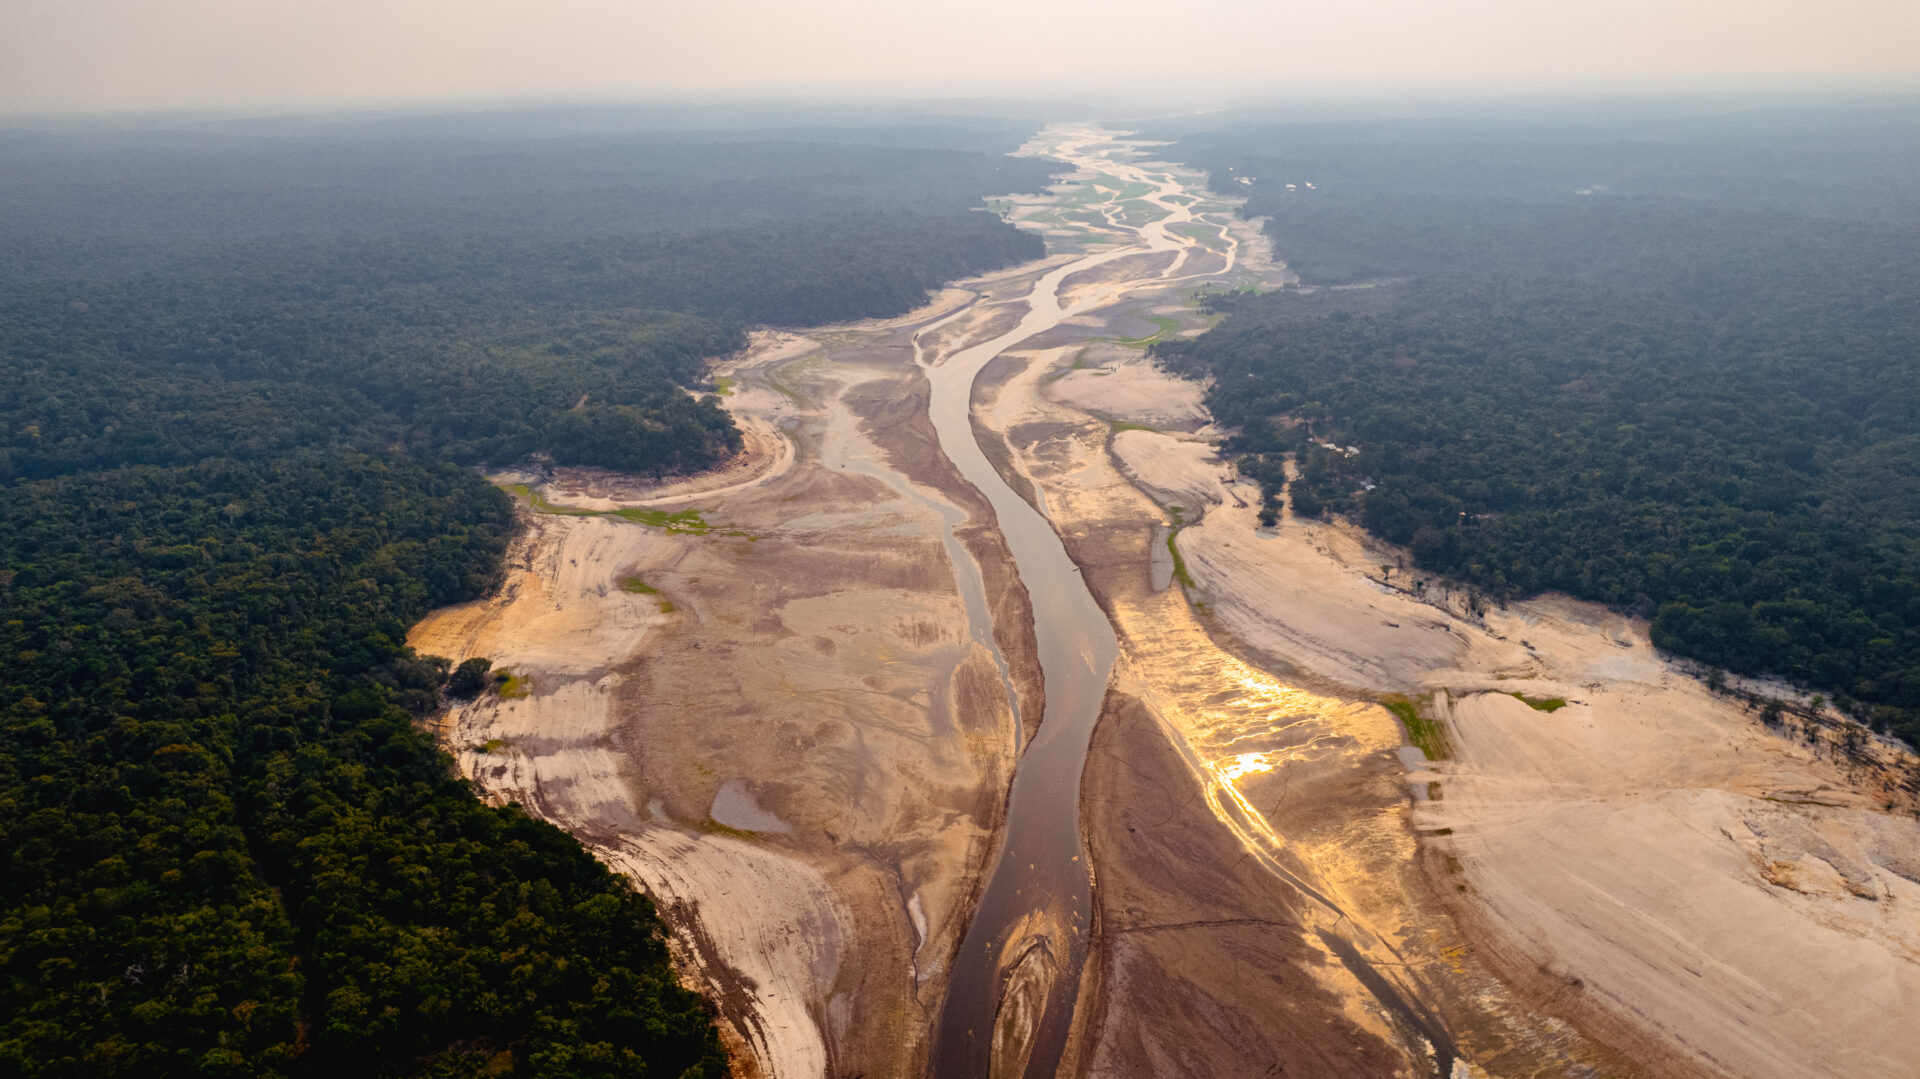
{"x": 243, "y": 381}
{"x": 1698, "y": 400}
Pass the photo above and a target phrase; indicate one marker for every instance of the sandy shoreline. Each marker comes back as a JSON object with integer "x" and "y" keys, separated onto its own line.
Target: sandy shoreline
{"x": 781, "y": 727}
{"x": 1696, "y": 892}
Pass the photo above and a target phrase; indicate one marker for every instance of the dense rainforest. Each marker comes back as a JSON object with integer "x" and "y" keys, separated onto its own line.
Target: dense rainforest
{"x": 229, "y": 848}
{"x": 1668, "y": 365}
{"x": 481, "y": 301}
{"x": 244, "y": 379}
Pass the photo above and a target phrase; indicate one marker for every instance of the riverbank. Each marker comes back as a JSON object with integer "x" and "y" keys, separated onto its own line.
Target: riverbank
{"x": 1690, "y": 890}
{"x": 784, "y": 722}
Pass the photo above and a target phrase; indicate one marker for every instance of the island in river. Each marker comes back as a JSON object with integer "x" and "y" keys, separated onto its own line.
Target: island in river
{"x": 972, "y": 724}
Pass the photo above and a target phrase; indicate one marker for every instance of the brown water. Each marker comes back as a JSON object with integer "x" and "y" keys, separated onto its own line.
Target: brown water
{"x": 1019, "y": 966}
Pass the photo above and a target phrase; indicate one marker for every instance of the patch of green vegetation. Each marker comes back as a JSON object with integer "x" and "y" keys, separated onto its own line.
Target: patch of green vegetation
{"x": 1540, "y": 704}
{"x": 714, "y": 827}
{"x": 1426, "y": 732}
{"x": 539, "y": 504}
{"x": 667, "y": 607}
{"x": 1117, "y": 426}
{"x": 723, "y": 385}
{"x": 1166, "y": 326}
{"x": 1173, "y": 548}
{"x": 515, "y": 687}
{"x": 1079, "y": 364}
{"x": 677, "y": 521}
{"x": 1207, "y": 236}
{"x": 776, "y": 387}
{"x": 1101, "y": 188}
{"x": 637, "y": 586}
{"x": 683, "y": 521}
{"x": 494, "y": 745}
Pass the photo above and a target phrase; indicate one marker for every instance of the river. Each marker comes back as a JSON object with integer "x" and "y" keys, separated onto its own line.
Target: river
{"x": 1019, "y": 965}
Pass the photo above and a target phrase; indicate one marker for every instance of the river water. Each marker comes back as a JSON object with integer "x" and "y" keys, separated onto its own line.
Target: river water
{"x": 1033, "y": 914}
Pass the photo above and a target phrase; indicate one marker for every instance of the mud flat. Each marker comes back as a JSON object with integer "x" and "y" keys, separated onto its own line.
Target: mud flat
{"x": 1691, "y": 891}
{"x": 789, "y": 717}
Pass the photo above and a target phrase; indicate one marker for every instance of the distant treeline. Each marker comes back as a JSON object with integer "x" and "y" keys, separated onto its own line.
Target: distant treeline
{"x": 239, "y": 392}
{"x": 110, "y": 203}
{"x": 1699, "y": 401}
{"x": 239, "y": 316}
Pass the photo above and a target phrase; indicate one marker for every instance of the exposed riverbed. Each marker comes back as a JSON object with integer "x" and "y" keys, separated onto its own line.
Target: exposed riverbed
{"x": 934, "y": 763}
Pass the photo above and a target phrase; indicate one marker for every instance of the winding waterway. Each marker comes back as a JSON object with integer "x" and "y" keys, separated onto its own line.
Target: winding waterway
{"x": 1019, "y": 965}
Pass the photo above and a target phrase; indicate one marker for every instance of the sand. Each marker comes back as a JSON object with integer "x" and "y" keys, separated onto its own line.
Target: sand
{"x": 1654, "y": 862}
{"x": 795, "y": 741}
{"x": 1117, "y": 381}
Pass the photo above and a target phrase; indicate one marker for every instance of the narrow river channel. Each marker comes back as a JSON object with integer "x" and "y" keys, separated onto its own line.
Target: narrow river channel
{"x": 1028, "y": 937}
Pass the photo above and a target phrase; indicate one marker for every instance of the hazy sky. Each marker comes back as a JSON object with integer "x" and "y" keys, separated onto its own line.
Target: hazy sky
{"x": 249, "y": 54}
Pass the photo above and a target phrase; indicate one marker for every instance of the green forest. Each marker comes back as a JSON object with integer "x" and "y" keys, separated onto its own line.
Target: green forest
{"x": 479, "y": 303}
{"x": 1671, "y": 367}
{"x": 245, "y": 380}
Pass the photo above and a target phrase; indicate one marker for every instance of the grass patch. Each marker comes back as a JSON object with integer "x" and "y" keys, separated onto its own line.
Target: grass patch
{"x": 538, "y": 503}
{"x": 714, "y": 827}
{"x": 783, "y": 391}
{"x": 494, "y": 745}
{"x": 723, "y": 385}
{"x": 1079, "y": 364}
{"x": 637, "y": 586}
{"x": 1173, "y": 548}
{"x": 667, "y": 607}
{"x": 679, "y": 521}
{"x": 1166, "y": 326}
{"x": 687, "y": 521}
{"x": 1540, "y": 704}
{"x": 1207, "y": 236}
{"x": 1424, "y": 731}
{"x": 515, "y": 687}
{"x": 1117, "y": 426}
